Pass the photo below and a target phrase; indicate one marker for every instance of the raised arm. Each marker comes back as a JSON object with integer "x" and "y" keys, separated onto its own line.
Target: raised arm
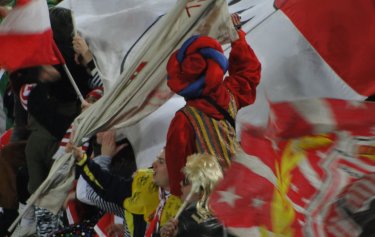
{"x": 110, "y": 187}
{"x": 244, "y": 72}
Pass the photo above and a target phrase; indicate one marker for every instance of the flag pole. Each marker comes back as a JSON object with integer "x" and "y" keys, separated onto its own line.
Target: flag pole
{"x": 73, "y": 23}
{"x": 30, "y": 202}
{"x": 74, "y": 84}
{"x": 184, "y": 204}
{"x": 66, "y": 69}
{"x": 194, "y": 189}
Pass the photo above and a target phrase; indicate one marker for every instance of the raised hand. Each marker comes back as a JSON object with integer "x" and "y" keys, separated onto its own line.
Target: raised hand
{"x": 169, "y": 229}
{"x": 236, "y": 19}
{"x": 81, "y": 49}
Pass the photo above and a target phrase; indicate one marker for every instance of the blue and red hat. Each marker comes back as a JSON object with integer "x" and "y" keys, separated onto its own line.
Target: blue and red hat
{"x": 197, "y": 67}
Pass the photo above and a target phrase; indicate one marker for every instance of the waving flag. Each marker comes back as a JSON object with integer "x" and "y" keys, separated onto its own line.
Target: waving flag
{"x": 311, "y": 173}
{"x": 309, "y": 49}
{"x": 26, "y": 36}
{"x": 308, "y": 39}
{"x": 116, "y": 46}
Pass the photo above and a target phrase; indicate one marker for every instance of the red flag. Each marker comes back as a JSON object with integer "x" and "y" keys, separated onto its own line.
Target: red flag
{"x": 72, "y": 212}
{"x": 5, "y": 138}
{"x": 26, "y": 36}
{"x": 310, "y": 49}
{"x": 251, "y": 202}
{"x": 306, "y": 183}
{"x": 104, "y": 222}
{"x": 342, "y": 32}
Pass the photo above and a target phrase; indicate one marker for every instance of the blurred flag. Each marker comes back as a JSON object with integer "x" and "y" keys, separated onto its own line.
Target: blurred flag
{"x": 104, "y": 222}
{"x": 72, "y": 214}
{"x": 309, "y": 49}
{"x": 310, "y": 173}
{"x": 26, "y": 36}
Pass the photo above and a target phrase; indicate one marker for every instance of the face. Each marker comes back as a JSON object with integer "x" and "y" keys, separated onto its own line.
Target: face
{"x": 160, "y": 171}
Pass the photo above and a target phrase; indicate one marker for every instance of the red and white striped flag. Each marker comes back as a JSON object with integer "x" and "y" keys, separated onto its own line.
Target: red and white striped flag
{"x": 64, "y": 142}
{"x": 26, "y": 37}
{"x": 310, "y": 173}
{"x": 341, "y": 35}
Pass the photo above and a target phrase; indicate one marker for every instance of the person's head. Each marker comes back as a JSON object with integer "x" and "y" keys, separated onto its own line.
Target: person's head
{"x": 123, "y": 163}
{"x": 63, "y": 30}
{"x": 62, "y": 25}
{"x": 202, "y": 173}
{"x": 160, "y": 171}
{"x": 197, "y": 68}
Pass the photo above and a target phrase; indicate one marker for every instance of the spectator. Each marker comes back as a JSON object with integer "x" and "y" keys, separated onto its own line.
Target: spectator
{"x": 206, "y": 123}
{"x": 146, "y": 193}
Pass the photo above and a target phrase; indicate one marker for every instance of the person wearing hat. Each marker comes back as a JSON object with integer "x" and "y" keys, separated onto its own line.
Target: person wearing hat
{"x": 206, "y": 123}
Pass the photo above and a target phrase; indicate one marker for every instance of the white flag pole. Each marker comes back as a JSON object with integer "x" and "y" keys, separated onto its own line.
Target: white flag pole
{"x": 74, "y": 23}
{"x": 66, "y": 69}
{"x": 194, "y": 189}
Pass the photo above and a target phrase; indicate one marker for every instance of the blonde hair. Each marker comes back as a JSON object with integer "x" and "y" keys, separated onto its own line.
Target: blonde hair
{"x": 204, "y": 172}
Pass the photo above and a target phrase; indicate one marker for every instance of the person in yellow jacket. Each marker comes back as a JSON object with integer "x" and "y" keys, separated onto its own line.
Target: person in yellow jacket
{"x": 146, "y": 193}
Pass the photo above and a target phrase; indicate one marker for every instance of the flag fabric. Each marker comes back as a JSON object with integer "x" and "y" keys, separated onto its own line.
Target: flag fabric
{"x": 5, "y": 138}
{"x": 72, "y": 212}
{"x": 102, "y": 225}
{"x": 107, "y": 220}
{"x": 26, "y": 36}
{"x": 341, "y": 34}
{"x": 148, "y": 135}
{"x": 114, "y": 45}
{"x": 310, "y": 173}
{"x": 325, "y": 53}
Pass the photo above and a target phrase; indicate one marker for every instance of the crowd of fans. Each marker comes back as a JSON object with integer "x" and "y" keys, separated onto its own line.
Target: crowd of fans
{"x": 168, "y": 199}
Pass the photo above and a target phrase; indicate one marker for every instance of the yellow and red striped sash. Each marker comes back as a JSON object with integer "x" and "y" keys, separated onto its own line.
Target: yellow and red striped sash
{"x": 215, "y": 137}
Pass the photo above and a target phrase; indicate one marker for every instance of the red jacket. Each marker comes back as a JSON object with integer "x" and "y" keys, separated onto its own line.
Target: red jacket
{"x": 244, "y": 76}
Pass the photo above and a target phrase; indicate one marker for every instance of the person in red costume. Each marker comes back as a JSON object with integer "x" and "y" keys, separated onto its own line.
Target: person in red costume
{"x": 206, "y": 123}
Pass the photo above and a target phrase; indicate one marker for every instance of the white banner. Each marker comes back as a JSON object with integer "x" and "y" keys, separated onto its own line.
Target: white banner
{"x": 113, "y": 28}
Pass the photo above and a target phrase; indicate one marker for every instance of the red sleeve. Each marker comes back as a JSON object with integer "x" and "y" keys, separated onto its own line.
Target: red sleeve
{"x": 180, "y": 144}
{"x": 244, "y": 72}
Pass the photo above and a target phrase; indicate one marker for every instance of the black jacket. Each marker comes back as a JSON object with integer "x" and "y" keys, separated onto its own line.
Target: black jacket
{"x": 190, "y": 223}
